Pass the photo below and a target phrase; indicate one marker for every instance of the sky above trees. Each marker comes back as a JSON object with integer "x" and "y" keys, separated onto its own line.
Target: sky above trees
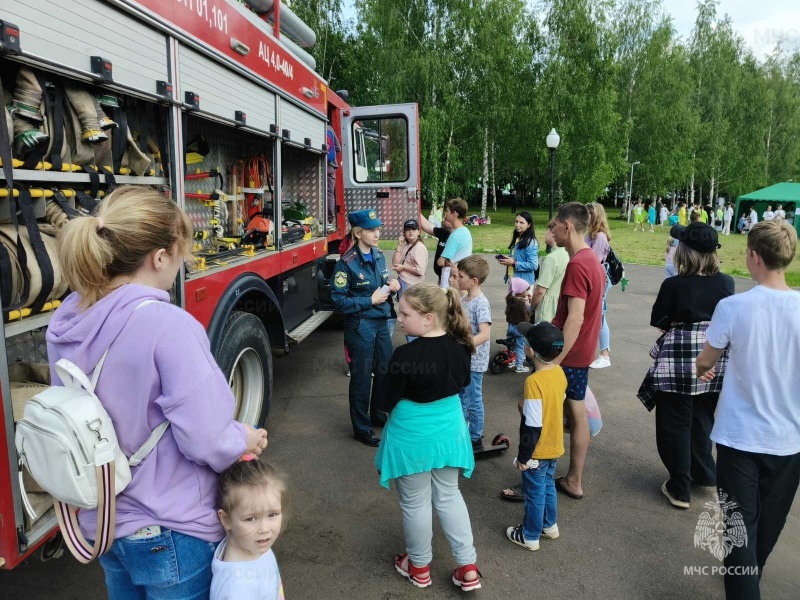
{"x": 701, "y": 111}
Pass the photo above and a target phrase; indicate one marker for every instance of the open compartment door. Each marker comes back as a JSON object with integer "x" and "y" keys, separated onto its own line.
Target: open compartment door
{"x": 380, "y": 151}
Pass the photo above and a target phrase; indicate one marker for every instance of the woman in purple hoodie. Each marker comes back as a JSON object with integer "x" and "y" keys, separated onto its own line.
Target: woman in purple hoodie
{"x": 158, "y": 367}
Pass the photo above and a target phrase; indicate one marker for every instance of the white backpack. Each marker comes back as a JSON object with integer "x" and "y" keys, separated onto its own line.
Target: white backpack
{"x": 67, "y": 442}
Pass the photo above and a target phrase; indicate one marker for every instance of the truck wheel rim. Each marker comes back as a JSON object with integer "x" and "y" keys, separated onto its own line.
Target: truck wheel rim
{"x": 247, "y": 385}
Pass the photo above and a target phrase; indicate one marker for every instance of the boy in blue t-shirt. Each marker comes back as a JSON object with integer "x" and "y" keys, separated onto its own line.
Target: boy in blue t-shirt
{"x": 459, "y": 243}
{"x": 472, "y": 272}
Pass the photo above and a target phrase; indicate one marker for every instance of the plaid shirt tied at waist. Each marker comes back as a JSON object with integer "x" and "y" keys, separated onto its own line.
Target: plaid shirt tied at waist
{"x": 673, "y": 368}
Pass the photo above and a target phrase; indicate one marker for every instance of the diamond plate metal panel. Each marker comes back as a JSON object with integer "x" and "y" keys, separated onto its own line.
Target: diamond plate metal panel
{"x": 303, "y": 174}
{"x": 227, "y": 146}
{"x": 27, "y": 347}
{"x": 392, "y": 211}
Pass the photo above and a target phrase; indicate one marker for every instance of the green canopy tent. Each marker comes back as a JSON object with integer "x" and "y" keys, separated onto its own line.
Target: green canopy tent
{"x": 786, "y": 194}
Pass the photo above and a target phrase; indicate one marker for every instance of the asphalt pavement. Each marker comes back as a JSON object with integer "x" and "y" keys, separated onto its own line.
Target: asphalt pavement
{"x": 622, "y": 541}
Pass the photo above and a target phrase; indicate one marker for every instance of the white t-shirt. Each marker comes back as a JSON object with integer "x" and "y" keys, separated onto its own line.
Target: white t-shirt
{"x": 780, "y": 214}
{"x": 728, "y": 214}
{"x": 769, "y": 215}
{"x": 758, "y": 409}
{"x": 753, "y": 217}
{"x": 245, "y": 580}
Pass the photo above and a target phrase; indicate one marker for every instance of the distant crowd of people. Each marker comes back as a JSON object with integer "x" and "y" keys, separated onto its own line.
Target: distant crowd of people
{"x": 649, "y": 213}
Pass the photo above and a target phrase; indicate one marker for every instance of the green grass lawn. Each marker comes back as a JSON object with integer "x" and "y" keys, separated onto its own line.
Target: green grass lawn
{"x": 630, "y": 246}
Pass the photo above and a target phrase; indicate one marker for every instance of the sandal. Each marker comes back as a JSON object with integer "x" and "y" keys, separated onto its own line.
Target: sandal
{"x": 516, "y": 494}
{"x": 419, "y": 576}
{"x": 560, "y": 488}
{"x": 467, "y": 586}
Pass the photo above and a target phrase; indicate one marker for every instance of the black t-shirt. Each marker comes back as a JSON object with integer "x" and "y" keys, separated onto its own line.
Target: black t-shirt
{"x": 441, "y": 234}
{"x": 689, "y": 299}
{"x": 427, "y": 369}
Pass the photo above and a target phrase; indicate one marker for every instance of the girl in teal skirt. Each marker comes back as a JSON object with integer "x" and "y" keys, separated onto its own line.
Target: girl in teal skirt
{"x": 426, "y": 440}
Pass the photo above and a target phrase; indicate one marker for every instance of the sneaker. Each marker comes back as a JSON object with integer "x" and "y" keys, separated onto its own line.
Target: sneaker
{"x": 551, "y": 533}
{"x": 601, "y": 362}
{"x": 515, "y": 535}
{"x": 522, "y": 369}
{"x": 419, "y": 576}
{"x": 467, "y": 586}
{"x": 672, "y": 499}
{"x": 477, "y": 445}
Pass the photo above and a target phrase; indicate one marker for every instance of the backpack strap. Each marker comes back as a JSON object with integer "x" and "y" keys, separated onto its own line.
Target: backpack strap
{"x": 67, "y": 516}
{"x": 148, "y": 446}
{"x": 99, "y": 366}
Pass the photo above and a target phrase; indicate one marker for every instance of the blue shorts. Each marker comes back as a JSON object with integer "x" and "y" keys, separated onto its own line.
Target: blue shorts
{"x": 577, "y": 382}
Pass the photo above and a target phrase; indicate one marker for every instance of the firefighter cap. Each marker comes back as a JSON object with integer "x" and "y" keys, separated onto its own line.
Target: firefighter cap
{"x": 368, "y": 219}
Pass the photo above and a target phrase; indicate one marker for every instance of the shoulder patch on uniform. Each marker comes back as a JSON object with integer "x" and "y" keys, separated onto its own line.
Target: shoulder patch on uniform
{"x": 340, "y": 280}
{"x": 349, "y": 254}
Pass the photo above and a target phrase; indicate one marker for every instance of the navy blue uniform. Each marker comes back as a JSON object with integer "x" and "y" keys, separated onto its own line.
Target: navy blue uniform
{"x": 355, "y": 278}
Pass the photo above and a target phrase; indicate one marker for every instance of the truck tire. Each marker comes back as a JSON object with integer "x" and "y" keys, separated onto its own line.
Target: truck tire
{"x": 245, "y": 357}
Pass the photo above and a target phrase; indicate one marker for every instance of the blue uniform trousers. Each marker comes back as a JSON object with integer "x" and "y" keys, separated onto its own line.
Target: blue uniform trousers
{"x": 370, "y": 350}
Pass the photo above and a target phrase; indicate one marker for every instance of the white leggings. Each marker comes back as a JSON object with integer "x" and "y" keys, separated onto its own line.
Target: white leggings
{"x": 438, "y": 487}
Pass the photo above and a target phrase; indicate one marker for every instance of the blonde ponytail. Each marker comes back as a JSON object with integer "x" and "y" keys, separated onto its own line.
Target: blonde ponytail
{"x": 445, "y": 305}
{"x": 457, "y": 322}
{"x": 130, "y": 224}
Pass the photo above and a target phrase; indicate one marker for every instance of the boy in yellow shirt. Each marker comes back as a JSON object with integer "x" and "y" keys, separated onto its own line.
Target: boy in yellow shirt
{"x": 541, "y": 435}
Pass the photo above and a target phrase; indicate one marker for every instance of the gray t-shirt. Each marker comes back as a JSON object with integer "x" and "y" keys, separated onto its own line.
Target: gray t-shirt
{"x": 478, "y": 311}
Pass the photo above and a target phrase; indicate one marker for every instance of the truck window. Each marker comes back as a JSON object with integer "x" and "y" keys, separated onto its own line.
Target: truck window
{"x": 380, "y": 150}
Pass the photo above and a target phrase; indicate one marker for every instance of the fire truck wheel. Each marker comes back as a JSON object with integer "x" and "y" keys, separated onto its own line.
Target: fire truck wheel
{"x": 245, "y": 356}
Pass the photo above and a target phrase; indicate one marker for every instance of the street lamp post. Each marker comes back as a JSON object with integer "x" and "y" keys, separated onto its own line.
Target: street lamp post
{"x": 553, "y": 140}
{"x": 630, "y": 191}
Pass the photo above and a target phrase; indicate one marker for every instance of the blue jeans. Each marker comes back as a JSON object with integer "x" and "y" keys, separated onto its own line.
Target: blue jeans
{"x": 472, "y": 404}
{"x": 541, "y": 507}
{"x": 169, "y": 566}
{"x": 605, "y": 334}
{"x": 513, "y": 335}
{"x": 370, "y": 350}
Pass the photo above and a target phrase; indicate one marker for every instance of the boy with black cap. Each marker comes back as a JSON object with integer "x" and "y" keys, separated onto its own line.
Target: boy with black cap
{"x": 541, "y": 435}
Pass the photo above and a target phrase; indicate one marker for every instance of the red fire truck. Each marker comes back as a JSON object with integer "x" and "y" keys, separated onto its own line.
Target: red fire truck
{"x": 232, "y": 119}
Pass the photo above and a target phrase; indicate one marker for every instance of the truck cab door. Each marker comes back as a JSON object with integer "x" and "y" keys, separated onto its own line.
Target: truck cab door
{"x": 380, "y": 160}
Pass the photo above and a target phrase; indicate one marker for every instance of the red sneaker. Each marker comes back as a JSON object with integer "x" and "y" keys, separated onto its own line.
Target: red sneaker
{"x": 419, "y": 576}
{"x": 467, "y": 586}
